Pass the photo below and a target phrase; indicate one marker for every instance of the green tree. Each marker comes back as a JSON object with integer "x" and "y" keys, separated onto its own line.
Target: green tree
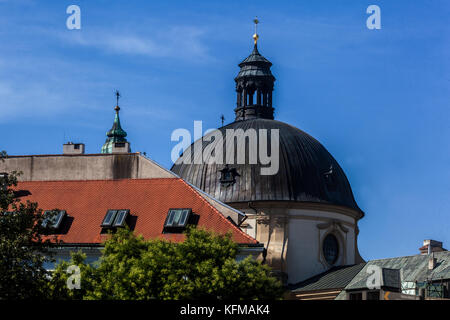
{"x": 57, "y": 286}
{"x": 204, "y": 266}
{"x": 22, "y": 248}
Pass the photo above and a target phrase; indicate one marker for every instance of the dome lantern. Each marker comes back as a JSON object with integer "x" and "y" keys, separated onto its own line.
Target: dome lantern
{"x": 254, "y": 86}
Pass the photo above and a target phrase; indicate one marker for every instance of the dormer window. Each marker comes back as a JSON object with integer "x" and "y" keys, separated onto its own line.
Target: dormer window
{"x": 115, "y": 218}
{"x": 177, "y": 220}
{"x": 228, "y": 176}
{"x": 53, "y": 219}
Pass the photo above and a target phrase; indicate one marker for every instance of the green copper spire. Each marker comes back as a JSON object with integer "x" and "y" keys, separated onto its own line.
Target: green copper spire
{"x": 116, "y": 134}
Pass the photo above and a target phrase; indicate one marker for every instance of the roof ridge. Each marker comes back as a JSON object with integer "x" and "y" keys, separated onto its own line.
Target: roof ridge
{"x": 158, "y": 165}
{"x": 97, "y": 180}
{"x": 217, "y": 211}
{"x": 410, "y": 256}
{"x": 214, "y": 199}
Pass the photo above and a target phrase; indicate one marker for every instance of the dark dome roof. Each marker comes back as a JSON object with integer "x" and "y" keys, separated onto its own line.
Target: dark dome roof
{"x": 307, "y": 171}
{"x": 255, "y": 65}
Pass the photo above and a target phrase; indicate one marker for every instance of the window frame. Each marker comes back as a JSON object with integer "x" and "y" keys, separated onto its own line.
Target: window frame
{"x": 54, "y": 222}
{"x": 125, "y": 213}
{"x": 358, "y": 294}
{"x": 171, "y": 223}
{"x": 111, "y": 219}
{"x": 338, "y": 251}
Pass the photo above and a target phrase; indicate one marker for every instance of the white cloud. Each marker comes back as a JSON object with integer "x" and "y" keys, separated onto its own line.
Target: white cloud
{"x": 183, "y": 42}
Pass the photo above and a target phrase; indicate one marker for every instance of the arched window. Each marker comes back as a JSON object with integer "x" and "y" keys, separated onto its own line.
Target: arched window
{"x": 330, "y": 248}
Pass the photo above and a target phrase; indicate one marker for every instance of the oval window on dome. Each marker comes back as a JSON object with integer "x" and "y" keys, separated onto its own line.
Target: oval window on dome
{"x": 331, "y": 249}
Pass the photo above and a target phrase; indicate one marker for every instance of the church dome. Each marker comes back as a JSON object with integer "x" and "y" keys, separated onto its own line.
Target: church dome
{"x": 307, "y": 171}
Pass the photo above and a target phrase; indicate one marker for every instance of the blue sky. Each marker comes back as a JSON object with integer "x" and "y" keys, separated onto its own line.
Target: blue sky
{"x": 378, "y": 100}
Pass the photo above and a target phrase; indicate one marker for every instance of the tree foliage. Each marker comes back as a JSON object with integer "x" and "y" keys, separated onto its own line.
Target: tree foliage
{"x": 57, "y": 288}
{"x": 22, "y": 248}
{"x": 203, "y": 267}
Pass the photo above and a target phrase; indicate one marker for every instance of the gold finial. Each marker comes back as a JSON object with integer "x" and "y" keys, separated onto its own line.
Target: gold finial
{"x": 256, "y": 36}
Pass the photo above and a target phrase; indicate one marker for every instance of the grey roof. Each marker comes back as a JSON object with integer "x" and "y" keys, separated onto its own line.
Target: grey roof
{"x": 335, "y": 278}
{"x": 254, "y": 71}
{"x": 303, "y": 164}
{"x": 255, "y": 65}
{"x": 255, "y": 57}
{"x": 413, "y": 268}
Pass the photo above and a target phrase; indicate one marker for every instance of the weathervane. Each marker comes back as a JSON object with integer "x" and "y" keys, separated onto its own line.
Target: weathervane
{"x": 256, "y": 36}
{"x": 222, "y": 117}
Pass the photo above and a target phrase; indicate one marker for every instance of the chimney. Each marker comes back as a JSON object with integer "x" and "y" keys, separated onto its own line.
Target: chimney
{"x": 73, "y": 148}
{"x": 431, "y": 262}
{"x": 121, "y": 147}
{"x": 430, "y": 246}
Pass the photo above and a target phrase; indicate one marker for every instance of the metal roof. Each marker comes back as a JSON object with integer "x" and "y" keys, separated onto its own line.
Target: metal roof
{"x": 334, "y": 278}
{"x": 413, "y": 268}
{"x": 255, "y": 65}
{"x": 303, "y": 165}
{"x": 255, "y": 57}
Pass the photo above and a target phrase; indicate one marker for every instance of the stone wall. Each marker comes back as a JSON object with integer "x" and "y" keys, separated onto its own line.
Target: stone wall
{"x": 84, "y": 167}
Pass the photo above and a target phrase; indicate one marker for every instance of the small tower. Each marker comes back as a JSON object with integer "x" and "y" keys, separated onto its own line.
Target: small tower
{"x": 254, "y": 85}
{"x": 116, "y": 141}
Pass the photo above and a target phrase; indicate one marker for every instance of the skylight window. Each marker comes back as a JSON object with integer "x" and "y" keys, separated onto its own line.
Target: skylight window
{"x": 109, "y": 218}
{"x": 120, "y": 218}
{"x": 53, "y": 219}
{"x": 183, "y": 218}
{"x": 177, "y": 218}
{"x": 115, "y": 218}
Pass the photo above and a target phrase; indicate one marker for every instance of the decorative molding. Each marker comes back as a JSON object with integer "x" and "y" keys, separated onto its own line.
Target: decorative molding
{"x": 301, "y": 205}
{"x": 303, "y": 217}
{"x": 332, "y": 227}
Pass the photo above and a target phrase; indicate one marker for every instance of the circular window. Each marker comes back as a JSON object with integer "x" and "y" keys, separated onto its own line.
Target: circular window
{"x": 330, "y": 248}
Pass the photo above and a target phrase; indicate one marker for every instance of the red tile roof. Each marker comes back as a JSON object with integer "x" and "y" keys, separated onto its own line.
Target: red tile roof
{"x": 148, "y": 200}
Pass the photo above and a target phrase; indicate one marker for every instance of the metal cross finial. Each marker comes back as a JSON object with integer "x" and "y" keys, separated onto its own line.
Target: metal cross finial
{"x": 117, "y": 101}
{"x": 222, "y": 117}
{"x": 256, "y": 36}
{"x": 117, "y": 96}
